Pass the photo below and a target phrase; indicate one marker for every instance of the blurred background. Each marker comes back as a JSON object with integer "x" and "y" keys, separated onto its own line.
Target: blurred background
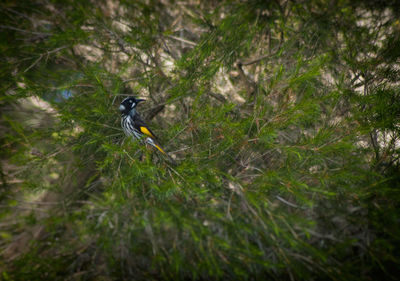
{"x": 283, "y": 117}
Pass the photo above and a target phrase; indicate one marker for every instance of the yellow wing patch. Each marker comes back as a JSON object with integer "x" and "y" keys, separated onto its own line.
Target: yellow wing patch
{"x": 159, "y": 148}
{"x": 146, "y": 131}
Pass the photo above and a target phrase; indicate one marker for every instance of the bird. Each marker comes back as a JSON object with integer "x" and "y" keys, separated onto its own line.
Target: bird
{"x": 134, "y": 126}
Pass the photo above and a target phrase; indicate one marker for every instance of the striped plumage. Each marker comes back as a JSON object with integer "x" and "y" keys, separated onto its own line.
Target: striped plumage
{"x": 134, "y": 126}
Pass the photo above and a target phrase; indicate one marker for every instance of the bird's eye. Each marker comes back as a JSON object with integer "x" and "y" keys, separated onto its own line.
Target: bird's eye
{"x": 130, "y": 101}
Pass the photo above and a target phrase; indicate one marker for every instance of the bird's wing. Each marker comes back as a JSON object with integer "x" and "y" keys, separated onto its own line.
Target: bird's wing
{"x": 142, "y": 127}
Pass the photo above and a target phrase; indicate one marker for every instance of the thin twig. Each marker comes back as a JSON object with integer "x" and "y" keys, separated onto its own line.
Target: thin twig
{"x": 182, "y": 40}
{"x": 287, "y": 202}
{"x": 41, "y": 56}
{"x": 24, "y": 31}
{"x": 35, "y": 62}
{"x": 255, "y": 60}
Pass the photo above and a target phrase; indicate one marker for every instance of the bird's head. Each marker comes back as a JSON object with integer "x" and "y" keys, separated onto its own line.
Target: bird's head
{"x": 128, "y": 104}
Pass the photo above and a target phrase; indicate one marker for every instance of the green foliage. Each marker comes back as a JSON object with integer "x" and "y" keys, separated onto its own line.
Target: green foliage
{"x": 282, "y": 117}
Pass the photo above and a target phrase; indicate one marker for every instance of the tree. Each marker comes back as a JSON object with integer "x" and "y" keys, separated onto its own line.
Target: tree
{"x": 282, "y": 117}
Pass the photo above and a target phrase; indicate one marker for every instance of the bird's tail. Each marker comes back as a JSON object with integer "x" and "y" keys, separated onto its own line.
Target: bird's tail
{"x": 153, "y": 144}
{"x": 159, "y": 148}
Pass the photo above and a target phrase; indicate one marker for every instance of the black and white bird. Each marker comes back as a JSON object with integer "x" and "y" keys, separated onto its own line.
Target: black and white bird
{"x": 134, "y": 126}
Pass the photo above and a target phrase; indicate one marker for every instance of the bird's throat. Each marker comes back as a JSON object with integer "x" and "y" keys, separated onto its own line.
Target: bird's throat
{"x": 132, "y": 112}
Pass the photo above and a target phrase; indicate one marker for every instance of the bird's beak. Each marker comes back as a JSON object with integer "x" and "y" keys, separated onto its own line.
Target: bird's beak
{"x": 139, "y": 100}
{"x": 121, "y": 108}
